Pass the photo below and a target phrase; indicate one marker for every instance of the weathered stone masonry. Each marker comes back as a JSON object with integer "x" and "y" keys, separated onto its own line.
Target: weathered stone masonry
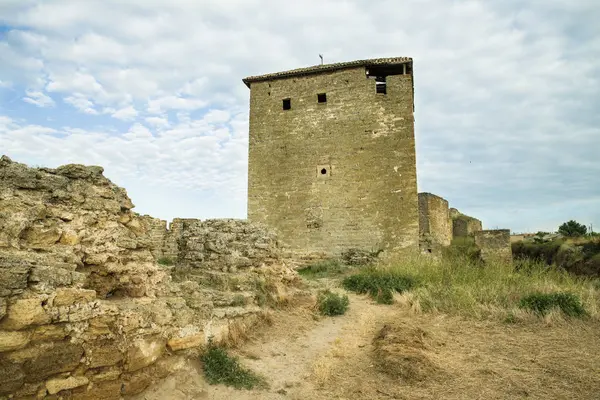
{"x": 435, "y": 225}
{"x": 331, "y": 160}
{"x": 86, "y": 312}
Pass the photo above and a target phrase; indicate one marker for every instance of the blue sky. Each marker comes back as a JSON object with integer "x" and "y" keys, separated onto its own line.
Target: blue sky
{"x": 507, "y": 95}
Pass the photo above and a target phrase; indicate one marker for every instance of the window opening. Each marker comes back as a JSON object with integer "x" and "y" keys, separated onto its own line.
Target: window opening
{"x": 380, "y": 85}
{"x": 287, "y": 104}
{"x": 324, "y": 171}
{"x": 322, "y": 97}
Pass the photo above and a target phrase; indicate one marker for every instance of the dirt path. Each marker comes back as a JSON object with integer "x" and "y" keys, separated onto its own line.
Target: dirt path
{"x": 303, "y": 357}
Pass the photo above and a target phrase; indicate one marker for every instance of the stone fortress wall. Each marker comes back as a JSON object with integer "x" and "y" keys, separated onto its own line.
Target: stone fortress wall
{"x": 86, "y": 312}
{"x": 439, "y": 225}
{"x": 332, "y": 157}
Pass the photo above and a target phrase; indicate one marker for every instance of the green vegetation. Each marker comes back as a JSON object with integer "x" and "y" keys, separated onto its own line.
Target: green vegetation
{"x": 332, "y": 304}
{"x": 219, "y": 368}
{"x": 323, "y": 269}
{"x": 463, "y": 287}
{"x": 238, "y": 300}
{"x": 572, "y": 229}
{"x": 379, "y": 283}
{"x": 542, "y": 303}
{"x": 165, "y": 261}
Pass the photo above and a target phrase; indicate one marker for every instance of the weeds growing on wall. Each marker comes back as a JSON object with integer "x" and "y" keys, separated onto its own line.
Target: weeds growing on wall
{"x": 221, "y": 368}
{"x": 165, "y": 261}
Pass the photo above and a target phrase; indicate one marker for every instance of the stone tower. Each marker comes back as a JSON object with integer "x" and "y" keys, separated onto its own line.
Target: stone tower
{"x": 332, "y": 156}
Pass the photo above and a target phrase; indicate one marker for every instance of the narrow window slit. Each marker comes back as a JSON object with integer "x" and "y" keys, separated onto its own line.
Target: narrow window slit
{"x": 287, "y": 104}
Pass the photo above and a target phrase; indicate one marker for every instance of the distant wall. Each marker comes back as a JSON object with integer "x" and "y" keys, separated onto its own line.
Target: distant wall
{"x": 463, "y": 225}
{"x": 435, "y": 226}
{"x": 494, "y": 245}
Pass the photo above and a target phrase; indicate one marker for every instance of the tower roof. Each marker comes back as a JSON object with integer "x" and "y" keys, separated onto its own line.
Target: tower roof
{"x": 327, "y": 68}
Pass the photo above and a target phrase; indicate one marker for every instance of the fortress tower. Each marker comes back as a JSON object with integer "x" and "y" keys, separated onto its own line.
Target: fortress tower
{"x": 332, "y": 156}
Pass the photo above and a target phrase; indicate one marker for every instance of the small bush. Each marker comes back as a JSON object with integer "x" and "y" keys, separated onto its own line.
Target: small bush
{"x": 332, "y": 304}
{"x": 379, "y": 284}
{"x": 219, "y": 367}
{"x": 165, "y": 261}
{"x": 238, "y": 300}
{"x": 383, "y": 296}
{"x": 323, "y": 269}
{"x": 542, "y": 303}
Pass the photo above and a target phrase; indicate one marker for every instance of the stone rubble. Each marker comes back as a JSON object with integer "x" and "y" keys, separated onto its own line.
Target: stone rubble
{"x": 97, "y": 302}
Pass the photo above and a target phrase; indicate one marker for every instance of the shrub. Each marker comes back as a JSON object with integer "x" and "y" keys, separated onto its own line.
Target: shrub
{"x": 332, "y": 304}
{"x": 379, "y": 284}
{"x": 323, "y": 269}
{"x": 165, "y": 261}
{"x": 238, "y": 300}
{"x": 572, "y": 228}
{"x": 219, "y": 367}
{"x": 542, "y": 303}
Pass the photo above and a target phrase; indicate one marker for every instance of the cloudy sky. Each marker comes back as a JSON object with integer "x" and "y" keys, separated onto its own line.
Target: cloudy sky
{"x": 507, "y": 94}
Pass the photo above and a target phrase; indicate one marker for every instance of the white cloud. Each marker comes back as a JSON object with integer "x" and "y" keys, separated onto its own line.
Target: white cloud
{"x": 506, "y": 92}
{"x": 79, "y": 101}
{"x": 39, "y": 99}
{"x": 125, "y": 114}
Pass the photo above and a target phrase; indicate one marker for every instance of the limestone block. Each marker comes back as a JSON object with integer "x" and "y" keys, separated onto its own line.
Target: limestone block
{"x": 56, "y": 385}
{"x": 13, "y": 279}
{"x": 102, "y": 354}
{"x": 136, "y": 226}
{"x": 47, "y": 359}
{"x": 11, "y": 375}
{"x": 106, "y": 374}
{"x": 69, "y": 238}
{"x": 136, "y": 383}
{"x": 144, "y": 352}
{"x": 186, "y": 342}
{"x": 49, "y": 333}
{"x": 13, "y": 340}
{"x": 50, "y": 277}
{"x": 70, "y": 296}
{"x": 24, "y": 313}
{"x": 41, "y": 237}
{"x": 3, "y": 307}
{"x": 110, "y": 390}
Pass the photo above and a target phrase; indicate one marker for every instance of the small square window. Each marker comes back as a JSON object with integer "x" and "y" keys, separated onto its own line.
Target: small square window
{"x": 322, "y": 97}
{"x": 287, "y": 104}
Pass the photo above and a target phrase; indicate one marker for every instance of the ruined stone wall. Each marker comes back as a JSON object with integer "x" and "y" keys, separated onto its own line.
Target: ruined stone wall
{"x": 494, "y": 245}
{"x": 435, "y": 225}
{"x": 335, "y": 175}
{"x": 85, "y": 311}
{"x": 463, "y": 225}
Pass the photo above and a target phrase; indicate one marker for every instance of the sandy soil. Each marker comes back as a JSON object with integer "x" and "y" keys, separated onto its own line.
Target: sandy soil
{"x": 308, "y": 357}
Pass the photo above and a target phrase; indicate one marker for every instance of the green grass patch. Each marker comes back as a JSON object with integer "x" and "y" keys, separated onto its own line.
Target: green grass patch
{"x": 380, "y": 284}
{"x": 221, "y": 368}
{"x": 462, "y": 286}
{"x": 323, "y": 269}
{"x": 165, "y": 261}
{"x": 332, "y": 304}
{"x": 542, "y": 303}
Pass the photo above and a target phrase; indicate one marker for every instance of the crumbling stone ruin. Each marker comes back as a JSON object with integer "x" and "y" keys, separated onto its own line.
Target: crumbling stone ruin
{"x": 439, "y": 225}
{"x": 86, "y": 312}
{"x": 435, "y": 225}
{"x": 494, "y": 245}
{"x": 332, "y": 156}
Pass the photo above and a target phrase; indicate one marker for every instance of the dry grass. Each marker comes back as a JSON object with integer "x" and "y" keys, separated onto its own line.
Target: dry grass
{"x": 456, "y": 286}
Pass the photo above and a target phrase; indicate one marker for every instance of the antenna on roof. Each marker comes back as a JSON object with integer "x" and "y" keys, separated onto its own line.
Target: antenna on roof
{"x": 321, "y": 56}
